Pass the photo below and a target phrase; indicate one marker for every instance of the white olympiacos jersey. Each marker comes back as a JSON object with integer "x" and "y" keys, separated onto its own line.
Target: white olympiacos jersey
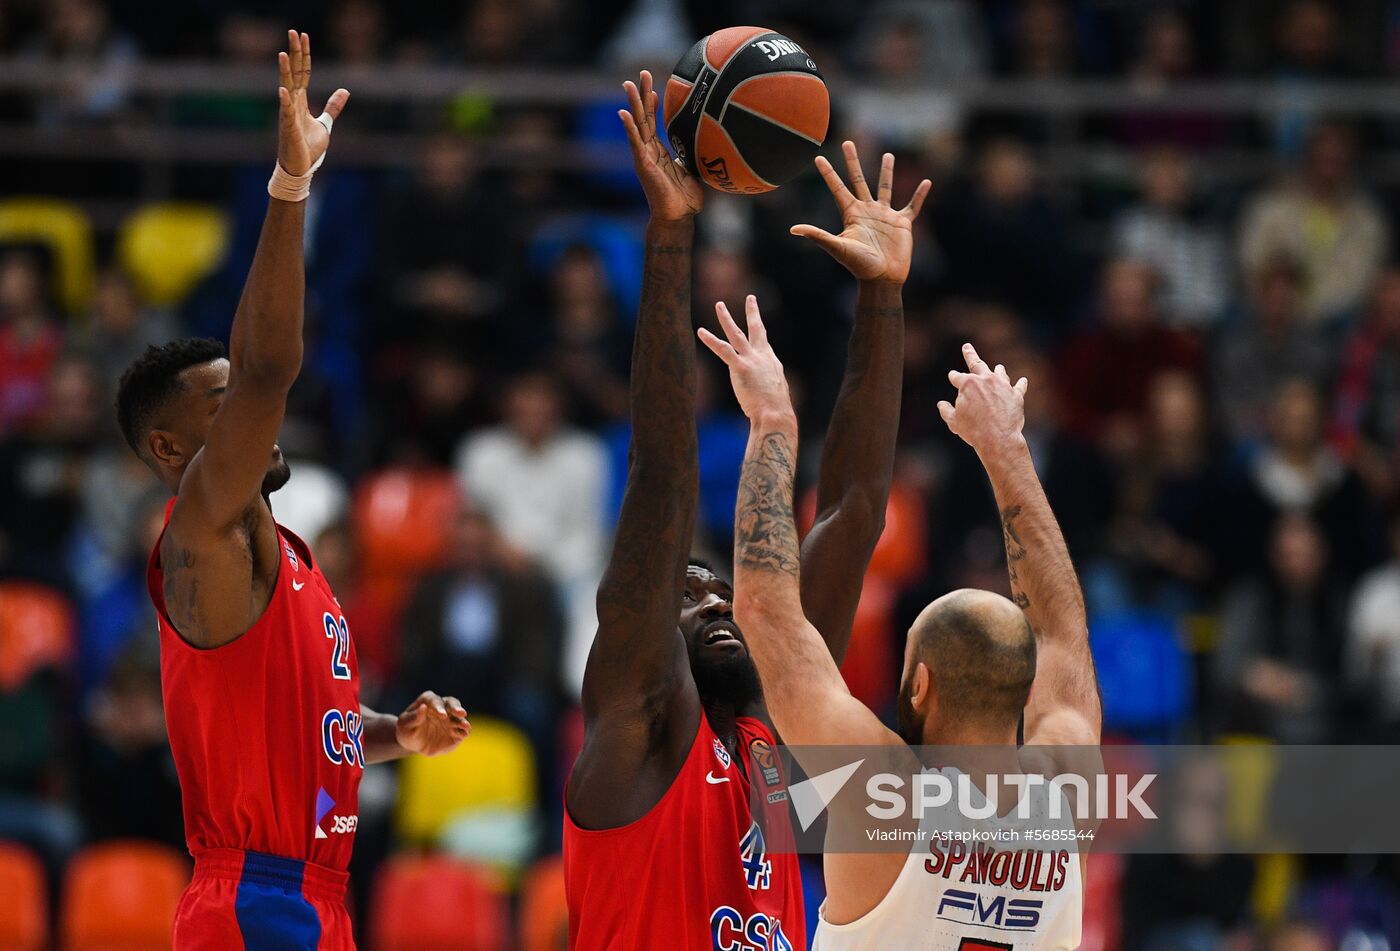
{"x": 978, "y": 885}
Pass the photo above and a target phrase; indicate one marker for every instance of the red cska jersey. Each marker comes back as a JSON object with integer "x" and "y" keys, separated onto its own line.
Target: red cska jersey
{"x": 695, "y": 872}
{"x": 266, "y": 730}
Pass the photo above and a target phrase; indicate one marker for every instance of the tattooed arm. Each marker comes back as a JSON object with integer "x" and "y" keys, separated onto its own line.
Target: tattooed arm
{"x": 1064, "y": 707}
{"x": 876, "y": 246}
{"x": 798, "y": 673}
{"x": 640, "y": 704}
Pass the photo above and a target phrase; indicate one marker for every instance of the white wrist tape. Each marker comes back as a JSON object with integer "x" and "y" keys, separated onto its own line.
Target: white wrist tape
{"x": 285, "y": 186}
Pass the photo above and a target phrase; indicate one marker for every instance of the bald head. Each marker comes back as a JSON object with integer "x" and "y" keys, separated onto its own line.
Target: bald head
{"x": 981, "y": 653}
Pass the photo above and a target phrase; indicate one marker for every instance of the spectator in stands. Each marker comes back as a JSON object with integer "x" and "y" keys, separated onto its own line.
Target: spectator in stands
{"x": 114, "y": 604}
{"x": 904, "y": 41}
{"x": 1167, "y": 58}
{"x": 489, "y": 627}
{"x": 1326, "y": 222}
{"x": 79, "y": 35}
{"x": 120, "y": 327}
{"x": 41, "y": 476}
{"x": 1192, "y": 897}
{"x": 433, "y": 397}
{"x": 1366, "y": 410}
{"x": 1296, "y": 471}
{"x": 30, "y": 339}
{"x": 1298, "y": 935}
{"x": 1105, "y": 373}
{"x": 1044, "y": 41}
{"x": 1282, "y": 635}
{"x": 443, "y": 273}
{"x": 1164, "y": 231}
{"x": 1268, "y": 344}
{"x": 1005, "y": 224}
{"x": 357, "y": 33}
{"x": 1172, "y": 501}
{"x": 542, "y": 483}
{"x": 1373, "y": 644}
{"x": 127, "y": 785}
{"x": 586, "y": 347}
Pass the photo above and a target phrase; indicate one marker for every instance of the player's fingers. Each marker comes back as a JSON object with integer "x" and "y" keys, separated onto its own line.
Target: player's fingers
{"x": 285, "y": 98}
{"x": 294, "y": 51}
{"x": 336, "y": 103}
{"x": 648, "y": 97}
{"x": 974, "y": 362}
{"x": 1000, "y": 371}
{"x": 1021, "y": 385}
{"x": 957, "y": 378}
{"x": 284, "y": 70}
{"x": 634, "y": 103}
{"x": 306, "y": 57}
{"x": 634, "y": 137}
{"x": 859, "y": 186}
{"x": 838, "y": 189}
{"x": 945, "y": 409}
{"x": 830, "y": 242}
{"x": 736, "y": 337}
{"x": 916, "y": 204}
{"x": 454, "y": 707}
{"x": 886, "y": 187}
{"x": 717, "y": 346}
{"x": 756, "y": 331}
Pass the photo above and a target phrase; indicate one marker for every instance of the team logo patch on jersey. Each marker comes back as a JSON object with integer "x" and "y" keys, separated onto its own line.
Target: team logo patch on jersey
{"x": 721, "y": 754}
{"x": 762, "y": 753}
{"x": 324, "y": 804}
{"x": 291, "y": 556}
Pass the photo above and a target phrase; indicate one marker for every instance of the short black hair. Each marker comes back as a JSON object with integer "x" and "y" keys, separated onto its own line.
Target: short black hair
{"x": 153, "y": 378}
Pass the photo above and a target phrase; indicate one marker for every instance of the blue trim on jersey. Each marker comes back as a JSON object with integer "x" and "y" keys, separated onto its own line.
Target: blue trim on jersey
{"x": 271, "y": 910}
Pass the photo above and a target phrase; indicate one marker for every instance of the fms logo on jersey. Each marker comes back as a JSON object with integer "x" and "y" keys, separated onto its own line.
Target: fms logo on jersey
{"x": 1011, "y": 914}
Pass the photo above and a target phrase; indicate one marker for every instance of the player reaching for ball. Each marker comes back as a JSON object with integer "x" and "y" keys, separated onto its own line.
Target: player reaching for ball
{"x": 258, "y": 670}
{"x": 659, "y": 846}
{"x": 969, "y": 665}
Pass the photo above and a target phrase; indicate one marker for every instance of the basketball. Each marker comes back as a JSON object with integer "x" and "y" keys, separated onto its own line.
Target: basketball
{"x": 746, "y": 110}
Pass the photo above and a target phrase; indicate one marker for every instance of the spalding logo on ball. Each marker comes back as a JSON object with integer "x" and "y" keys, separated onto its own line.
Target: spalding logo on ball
{"x": 746, "y": 109}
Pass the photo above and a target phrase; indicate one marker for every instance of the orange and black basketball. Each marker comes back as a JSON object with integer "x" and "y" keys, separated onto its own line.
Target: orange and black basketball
{"x": 746, "y": 109}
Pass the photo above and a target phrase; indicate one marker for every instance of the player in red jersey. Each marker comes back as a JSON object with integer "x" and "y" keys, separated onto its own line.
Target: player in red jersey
{"x": 660, "y": 849}
{"x": 258, "y": 670}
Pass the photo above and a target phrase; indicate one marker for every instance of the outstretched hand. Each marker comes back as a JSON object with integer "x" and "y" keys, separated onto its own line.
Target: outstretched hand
{"x": 302, "y": 139}
{"x": 672, "y": 192}
{"x": 876, "y": 242}
{"x": 754, "y": 370}
{"x": 990, "y": 410}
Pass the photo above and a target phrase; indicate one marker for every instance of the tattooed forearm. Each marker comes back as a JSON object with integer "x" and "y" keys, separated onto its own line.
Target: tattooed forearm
{"x": 765, "y": 533}
{"x": 1015, "y": 551}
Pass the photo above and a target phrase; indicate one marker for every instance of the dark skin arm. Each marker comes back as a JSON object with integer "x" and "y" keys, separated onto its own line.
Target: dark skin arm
{"x": 875, "y": 245}
{"x": 639, "y": 699}
{"x": 220, "y": 552}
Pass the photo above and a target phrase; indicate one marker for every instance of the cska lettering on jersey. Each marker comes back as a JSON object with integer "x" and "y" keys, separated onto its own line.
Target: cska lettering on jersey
{"x": 1024, "y": 869}
{"x": 341, "y": 737}
{"x": 731, "y": 931}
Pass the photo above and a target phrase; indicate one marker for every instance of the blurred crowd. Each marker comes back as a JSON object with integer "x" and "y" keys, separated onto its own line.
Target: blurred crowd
{"x": 1214, "y": 399}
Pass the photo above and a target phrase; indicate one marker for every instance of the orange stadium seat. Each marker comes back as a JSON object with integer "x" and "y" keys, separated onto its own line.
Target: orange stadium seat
{"x": 434, "y": 903}
{"x": 24, "y": 913}
{"x": 63, "y": 228}
{"x": 544, "y": 909}
{"x": 121, "y": 896}
{"x": 403, "y": 521}
{"x": 169, "y": 247}
{"x": 899, "y": 554}
{"x": 36, "y": 631}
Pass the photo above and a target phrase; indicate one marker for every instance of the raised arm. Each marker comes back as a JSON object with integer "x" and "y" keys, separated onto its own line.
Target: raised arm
{"x": 1064, "y": 707}
{"x": 876, "y": 246}
{"x": 209, "y": 572}
{"x": 638, "y": 659}
{"x": 798, "y": 673}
